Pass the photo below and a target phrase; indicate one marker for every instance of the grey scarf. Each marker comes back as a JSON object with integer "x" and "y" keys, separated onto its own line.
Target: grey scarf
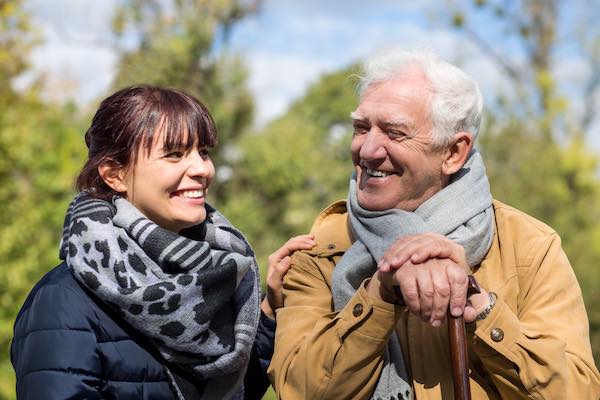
{"x": 462, "y": 211}
{"x": 195, "y": 297}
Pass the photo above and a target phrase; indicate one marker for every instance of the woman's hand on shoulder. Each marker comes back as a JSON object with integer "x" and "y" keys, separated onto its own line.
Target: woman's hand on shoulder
{"x": 278, "y": 265}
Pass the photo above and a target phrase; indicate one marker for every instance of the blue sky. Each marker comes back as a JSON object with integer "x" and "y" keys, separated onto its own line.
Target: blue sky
{"x": 289, "y": 44}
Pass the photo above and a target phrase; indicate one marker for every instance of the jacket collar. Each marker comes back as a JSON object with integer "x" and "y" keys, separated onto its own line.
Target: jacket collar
{"x": 332, "y": 231}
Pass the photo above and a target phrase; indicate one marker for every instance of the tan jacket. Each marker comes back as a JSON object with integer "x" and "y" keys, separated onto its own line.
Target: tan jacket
{"x": 544, "y": 352}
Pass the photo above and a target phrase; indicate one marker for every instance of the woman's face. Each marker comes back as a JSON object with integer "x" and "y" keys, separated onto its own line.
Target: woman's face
{"x": 169, "y": 187}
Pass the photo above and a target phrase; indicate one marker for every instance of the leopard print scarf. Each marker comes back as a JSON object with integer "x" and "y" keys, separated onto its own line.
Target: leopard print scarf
{"x": 194, "y": 296}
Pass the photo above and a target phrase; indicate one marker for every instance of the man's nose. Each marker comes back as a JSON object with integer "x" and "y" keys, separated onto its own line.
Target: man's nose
{"x": 373, "y": 146}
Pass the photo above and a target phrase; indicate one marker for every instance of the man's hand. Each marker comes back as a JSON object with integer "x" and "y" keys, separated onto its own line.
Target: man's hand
{"x": 420, "y": 248}
{"x": 432, "y": 274}
{"x": 279, "y": 263}
{"x": 430, "y": 287}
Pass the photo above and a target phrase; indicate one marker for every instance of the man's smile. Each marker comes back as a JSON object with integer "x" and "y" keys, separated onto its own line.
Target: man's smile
{"x": 377, "y": 173}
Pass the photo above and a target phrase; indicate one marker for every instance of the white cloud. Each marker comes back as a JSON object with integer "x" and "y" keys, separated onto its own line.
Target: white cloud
{"x": 280, "y": 75}
{"x": 73, "y": 18}
{"x": 74, "y": 71}
{"x": 277, "y": 80}
{"x": 287, "y": 46}
{"x": 76, "y": 57}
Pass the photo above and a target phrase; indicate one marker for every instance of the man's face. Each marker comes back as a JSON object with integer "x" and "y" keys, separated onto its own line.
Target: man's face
{"x": 397, "y": 166}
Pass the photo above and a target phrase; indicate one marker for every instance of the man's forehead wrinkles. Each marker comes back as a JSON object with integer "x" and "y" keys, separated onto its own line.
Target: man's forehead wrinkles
{"x": 400, "y": 122}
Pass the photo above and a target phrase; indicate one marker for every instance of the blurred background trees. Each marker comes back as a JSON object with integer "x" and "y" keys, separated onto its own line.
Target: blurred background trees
{"x": 273, "y": 180}
{"x": 40, "y": 151}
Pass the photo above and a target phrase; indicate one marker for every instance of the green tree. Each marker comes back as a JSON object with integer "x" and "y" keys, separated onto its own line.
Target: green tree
{"x": 535, "y": 143}
{"x": 294, "y": 167}
{"x": 558, "y": 184}
{"x": 177, "y": 43}
{"x": 301, "y": 162}
{"x": 41, "y": 144}
{"x": 40, "y": 153}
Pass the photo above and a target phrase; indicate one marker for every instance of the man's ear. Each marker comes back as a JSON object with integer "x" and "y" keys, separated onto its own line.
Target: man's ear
{"x": 457, "y": 153}
{"x": 113, "y": 176}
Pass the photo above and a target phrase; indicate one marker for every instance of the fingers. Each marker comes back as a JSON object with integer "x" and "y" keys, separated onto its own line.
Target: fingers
{"x": 301, "y": 242}
{"x": 426, "y": 292}
{"x": 274, "y": 282}
{"x": 278, "y": 265}
{"x": 406, "y": 278}
{"x": 277, "y": 271}
{"x": 419, "y": 248}
{"x": 475, "y": 305}
{"x": 279, "y": 261}
{"x": 458, "y": 280}
{"x": 430, "y": 288}
{"x": 441, "y": 297}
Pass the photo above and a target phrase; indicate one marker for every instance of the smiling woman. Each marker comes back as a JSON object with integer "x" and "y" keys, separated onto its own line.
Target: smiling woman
{"x": 158, "y": 293}
{"x": 169, "y": 147}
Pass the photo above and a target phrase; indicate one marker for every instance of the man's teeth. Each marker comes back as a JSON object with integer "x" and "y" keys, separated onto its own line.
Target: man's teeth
{"x": 192, "y": 194}
{"x": 377, "y": 173}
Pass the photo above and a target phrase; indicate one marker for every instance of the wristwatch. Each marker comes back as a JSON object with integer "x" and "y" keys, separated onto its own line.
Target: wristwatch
{"x": 483, "y": 315}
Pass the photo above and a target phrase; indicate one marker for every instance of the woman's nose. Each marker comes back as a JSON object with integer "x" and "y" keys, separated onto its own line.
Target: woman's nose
{"x": 200, "y": 165}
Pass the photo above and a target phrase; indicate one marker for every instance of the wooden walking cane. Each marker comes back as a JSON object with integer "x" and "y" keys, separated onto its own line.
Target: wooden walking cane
{"x": 458, "y": 349}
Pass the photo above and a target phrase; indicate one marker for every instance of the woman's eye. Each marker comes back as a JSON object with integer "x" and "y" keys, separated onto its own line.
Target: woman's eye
{"x": 174, "y": 154}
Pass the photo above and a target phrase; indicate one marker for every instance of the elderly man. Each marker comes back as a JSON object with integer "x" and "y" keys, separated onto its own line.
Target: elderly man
{"x": 420, "y": 218}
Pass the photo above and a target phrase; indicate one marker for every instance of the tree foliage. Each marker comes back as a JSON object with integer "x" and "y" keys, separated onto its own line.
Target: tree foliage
{"x": 295, "y": 166}
{"x": 285, "y": 173}
{"x": 557, "y": 184}
{"x": 40, "y": 152}
{"x": 176, "y": 42}
{"x": 537, "y": 155}
{"x": 301, "y": 162}
{"x": 41, "y": 144}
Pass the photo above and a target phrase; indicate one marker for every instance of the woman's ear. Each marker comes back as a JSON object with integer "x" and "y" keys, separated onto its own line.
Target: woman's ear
{"x": 113, "y": 176}
{"x": 457, "y": 153}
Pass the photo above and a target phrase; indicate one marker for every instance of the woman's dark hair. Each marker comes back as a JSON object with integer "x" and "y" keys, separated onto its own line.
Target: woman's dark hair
{"x": 127, "y": 121}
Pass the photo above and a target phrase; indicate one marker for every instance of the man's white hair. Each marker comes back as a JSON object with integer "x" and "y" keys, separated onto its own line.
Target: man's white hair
{"x": 456, "y": 101}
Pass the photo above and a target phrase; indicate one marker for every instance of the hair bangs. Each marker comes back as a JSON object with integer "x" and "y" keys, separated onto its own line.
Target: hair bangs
{"x": 181, "y": 121}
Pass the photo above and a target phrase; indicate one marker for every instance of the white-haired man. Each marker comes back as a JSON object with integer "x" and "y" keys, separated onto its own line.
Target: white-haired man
{"x": 420, "y": 218}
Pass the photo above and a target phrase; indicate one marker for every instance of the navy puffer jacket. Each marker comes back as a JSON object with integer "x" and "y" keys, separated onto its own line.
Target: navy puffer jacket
{"x": 69, "y": 345}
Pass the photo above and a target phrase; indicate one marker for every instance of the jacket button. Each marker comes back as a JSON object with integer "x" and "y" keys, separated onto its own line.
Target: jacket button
{"x": 497, "y": 334}
{"x": 357, "y": 310}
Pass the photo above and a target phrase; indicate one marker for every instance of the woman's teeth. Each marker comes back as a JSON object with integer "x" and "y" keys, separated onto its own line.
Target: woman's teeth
{"x": 191, "y": 194}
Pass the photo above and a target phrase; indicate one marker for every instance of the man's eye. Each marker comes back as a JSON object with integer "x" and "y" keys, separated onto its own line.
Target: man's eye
{"x": 395, "y": 134}
{"x": 360, "y": 129}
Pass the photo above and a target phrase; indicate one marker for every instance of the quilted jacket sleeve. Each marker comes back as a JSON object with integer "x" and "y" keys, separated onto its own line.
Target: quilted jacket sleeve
{"x": 54, "y": 347}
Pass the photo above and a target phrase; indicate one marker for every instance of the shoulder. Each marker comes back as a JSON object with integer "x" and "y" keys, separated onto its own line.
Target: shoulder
{"x": 333, "y": 237}
{"x": 519, "y": 223}
{"x": 56, "y": 303}
{"x": 331, "y": 230}
{"x": 522, "y": 234}
{"x": 511, "y": 216}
